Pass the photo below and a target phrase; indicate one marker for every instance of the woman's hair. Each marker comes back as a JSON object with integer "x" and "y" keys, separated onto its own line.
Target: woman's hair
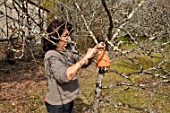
{"x": 55, "y": 30}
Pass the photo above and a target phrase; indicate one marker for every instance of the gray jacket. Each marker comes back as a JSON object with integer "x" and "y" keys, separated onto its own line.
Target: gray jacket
{"x": 60, "y": 90}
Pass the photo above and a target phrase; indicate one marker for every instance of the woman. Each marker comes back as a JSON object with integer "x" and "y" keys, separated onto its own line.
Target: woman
{"x": 61, "y": 67}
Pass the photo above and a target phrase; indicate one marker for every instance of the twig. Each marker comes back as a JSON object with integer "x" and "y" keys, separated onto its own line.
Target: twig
{"x": 86, "y": 25}
{"x": 126, "y": 105}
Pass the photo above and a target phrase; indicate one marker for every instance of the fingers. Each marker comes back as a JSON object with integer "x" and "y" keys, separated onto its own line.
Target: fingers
{"x": 101, "y": 45}
{"x": 92, "y": 51}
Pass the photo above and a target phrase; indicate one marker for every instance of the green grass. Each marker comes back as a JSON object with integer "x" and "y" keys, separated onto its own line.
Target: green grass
{"x": 135, "y": 96}
{"x": 25, "y": 95}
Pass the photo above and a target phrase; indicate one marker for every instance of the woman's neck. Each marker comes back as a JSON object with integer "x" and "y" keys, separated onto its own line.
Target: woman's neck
{"x": 59, "y": 48}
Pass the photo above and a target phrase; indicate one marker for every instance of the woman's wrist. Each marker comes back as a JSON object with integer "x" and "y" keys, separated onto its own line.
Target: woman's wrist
{"x": 83, "y": 61}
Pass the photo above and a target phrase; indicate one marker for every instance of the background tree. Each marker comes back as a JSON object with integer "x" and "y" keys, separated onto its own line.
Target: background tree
{"x": 136, "y": 33}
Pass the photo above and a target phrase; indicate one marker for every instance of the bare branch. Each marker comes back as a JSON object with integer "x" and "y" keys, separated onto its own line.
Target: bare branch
{"x": 85, "y": 22}
{"x": 128, "y": 18}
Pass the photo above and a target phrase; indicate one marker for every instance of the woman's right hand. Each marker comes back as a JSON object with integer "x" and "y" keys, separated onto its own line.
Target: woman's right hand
{"x": 91, "y": 53}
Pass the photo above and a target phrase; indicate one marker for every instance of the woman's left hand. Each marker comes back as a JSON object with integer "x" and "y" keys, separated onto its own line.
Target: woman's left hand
{"x": 99, "y": 46}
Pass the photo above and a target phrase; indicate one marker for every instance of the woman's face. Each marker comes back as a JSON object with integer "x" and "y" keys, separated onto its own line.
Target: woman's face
{"x": 63, "y": 39}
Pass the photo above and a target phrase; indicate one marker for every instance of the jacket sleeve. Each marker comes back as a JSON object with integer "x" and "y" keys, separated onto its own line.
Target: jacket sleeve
{"x": 56, "y": 69}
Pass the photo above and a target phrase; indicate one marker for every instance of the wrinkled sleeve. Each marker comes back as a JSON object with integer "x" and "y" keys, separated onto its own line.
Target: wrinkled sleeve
{"x": 56, "y": 69}
{"x": 77, "y": 57}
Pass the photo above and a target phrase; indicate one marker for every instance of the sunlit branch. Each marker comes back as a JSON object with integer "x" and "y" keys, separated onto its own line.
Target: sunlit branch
{"x": 86, "y": 24}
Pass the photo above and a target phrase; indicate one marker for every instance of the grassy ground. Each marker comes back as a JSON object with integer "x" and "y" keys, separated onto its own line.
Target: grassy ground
{"x": 23, "y": 86}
